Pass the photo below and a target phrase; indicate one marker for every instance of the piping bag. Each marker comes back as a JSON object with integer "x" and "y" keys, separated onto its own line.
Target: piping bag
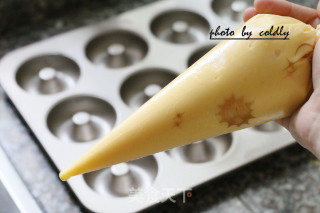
{"x": 237, "y": 84}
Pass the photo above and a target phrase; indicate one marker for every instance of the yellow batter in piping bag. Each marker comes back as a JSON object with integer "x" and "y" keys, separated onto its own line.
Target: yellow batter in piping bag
{"x": 237, "y": 84}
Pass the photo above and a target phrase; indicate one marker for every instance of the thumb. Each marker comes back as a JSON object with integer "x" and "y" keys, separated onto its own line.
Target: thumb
{"x": 316, "y": 66}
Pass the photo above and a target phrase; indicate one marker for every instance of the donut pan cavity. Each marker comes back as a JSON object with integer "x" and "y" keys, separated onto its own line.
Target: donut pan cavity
{"x": 74, "y": 88}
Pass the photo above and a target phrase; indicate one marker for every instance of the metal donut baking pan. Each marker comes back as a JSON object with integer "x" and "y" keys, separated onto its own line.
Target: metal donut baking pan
{"x": 73, "y": 88}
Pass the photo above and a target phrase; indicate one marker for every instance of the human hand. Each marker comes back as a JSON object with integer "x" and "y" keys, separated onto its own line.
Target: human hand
{"x": 304, "y": 124}
{"x": 284, "y": 8}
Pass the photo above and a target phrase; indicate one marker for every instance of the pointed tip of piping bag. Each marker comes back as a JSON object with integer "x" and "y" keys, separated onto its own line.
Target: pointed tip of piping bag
{"x": 70, "y": 171}
{"x": 73, "y": 170}
{"x": 64, "y": 176}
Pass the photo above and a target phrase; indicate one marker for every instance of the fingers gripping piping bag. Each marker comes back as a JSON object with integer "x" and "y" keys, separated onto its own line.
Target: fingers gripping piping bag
{"x": 237, "y": 84}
